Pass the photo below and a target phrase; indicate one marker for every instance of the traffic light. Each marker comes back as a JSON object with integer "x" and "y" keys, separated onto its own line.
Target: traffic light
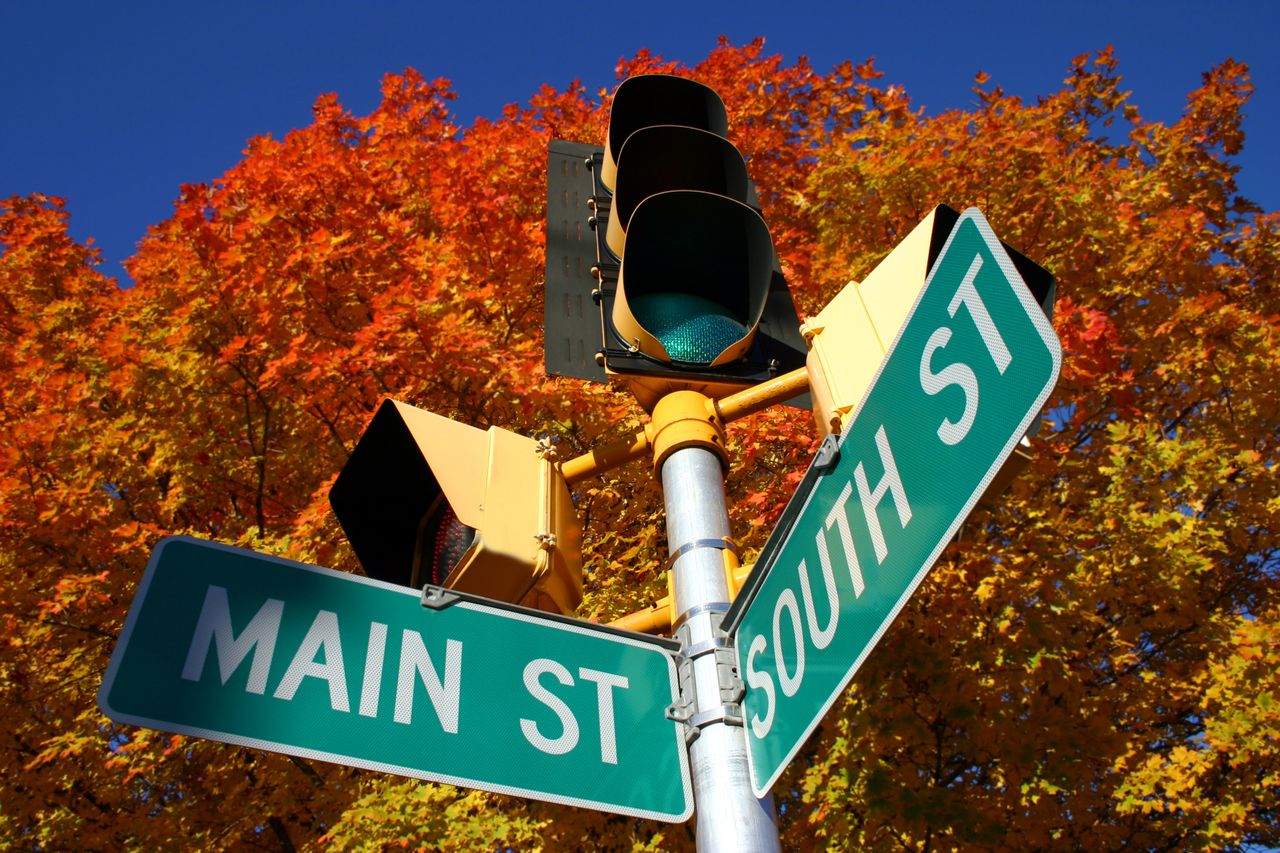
{"x": 689, "y": 289}
{"x": 850, "y": 336}
{"x": 427, "y": 500}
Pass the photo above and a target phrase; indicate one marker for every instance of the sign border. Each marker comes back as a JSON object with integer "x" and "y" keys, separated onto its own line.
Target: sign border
{"x": 1050, "y": 339}
{"x": 468, "y": 603}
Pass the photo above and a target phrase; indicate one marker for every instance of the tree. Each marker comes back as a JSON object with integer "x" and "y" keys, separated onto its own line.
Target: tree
{"x": 1092, "y": 664}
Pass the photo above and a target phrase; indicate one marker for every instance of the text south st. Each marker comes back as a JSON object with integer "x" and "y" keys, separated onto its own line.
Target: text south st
{"x": 442, "y": 679}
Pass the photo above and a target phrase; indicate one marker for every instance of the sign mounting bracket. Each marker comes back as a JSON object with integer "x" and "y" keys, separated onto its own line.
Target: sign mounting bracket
{"x": 724, "y": 707}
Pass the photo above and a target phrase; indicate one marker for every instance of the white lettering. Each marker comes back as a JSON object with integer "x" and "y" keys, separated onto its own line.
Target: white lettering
{"x": 870, "y": 498}
{"x": 323, "y": 634}
{"x": 840, "y": 519}
{"x": 760, "y": 681}
{"x": 214, "y": 627}
{"x": 445, "y": 694}
{"x": 789, "y": 682}
{"x": 605, "y": 682}
{"x": 821, "y": 636}
{"x": 371, "y": 688}
{"x": 968, "y": 294}
{"x": 953, "y": 374}
{"x": 568, "y": 738}
{"x": 958, "y": 373}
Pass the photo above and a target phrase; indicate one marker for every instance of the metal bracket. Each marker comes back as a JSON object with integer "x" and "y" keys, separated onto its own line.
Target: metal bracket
{"x": 720, "y": 607}
{"x": 828, "y": 454}
{"x": 730, "y": 686}
{"x": 438, "y": 598}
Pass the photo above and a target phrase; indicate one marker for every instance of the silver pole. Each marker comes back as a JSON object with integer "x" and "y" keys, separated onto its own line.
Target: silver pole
{"x": 730, "y": 818}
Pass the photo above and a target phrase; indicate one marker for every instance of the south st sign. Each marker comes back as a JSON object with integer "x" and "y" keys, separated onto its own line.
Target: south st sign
{"x": 970, "y": 371}
{"x": 241, "y": 647}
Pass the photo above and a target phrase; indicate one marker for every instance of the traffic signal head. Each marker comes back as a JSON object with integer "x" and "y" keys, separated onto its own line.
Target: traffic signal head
{"x": 691, "y": 293}
{"x": 850, "y": 336}
{"x": 427, "y": 500}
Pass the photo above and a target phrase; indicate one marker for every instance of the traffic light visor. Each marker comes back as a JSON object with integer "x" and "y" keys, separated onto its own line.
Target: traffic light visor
{"x": 694, "y": 279}
{"x": 671, "y": 157}
{"x": 654, "y": 99}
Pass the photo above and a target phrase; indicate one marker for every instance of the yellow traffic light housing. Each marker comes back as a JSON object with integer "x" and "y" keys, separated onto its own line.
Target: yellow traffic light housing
{"x": 850, "y": 337}
{"x": 427, "y": 500}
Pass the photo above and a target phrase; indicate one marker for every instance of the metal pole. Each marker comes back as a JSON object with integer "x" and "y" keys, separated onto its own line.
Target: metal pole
{"x": 730, "y": 817}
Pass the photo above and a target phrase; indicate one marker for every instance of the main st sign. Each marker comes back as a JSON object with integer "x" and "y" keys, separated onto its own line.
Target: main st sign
{"x": 970, "y": 371}
{"x": 240, "y": 647}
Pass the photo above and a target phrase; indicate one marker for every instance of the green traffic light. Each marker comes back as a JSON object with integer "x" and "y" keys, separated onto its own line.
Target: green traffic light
{"x": 694, "y": 278}
{"x": 690, "y": 328}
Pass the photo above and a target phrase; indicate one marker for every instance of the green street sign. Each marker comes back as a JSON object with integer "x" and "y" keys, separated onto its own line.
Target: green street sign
{"x": 970, "y": 371}
{"x": 249, "y": 649}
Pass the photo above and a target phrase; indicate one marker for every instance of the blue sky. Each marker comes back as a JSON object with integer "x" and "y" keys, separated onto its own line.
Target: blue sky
{"x": 114, "y": 105}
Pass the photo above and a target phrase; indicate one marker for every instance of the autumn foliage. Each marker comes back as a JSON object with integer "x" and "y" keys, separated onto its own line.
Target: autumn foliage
{"x": 1095, "y": 664}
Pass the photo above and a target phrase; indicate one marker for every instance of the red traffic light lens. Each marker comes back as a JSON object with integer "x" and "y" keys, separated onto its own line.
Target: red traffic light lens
{"x": 447, "y": 541}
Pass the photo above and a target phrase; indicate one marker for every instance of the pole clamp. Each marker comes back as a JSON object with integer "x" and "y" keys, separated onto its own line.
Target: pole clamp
{"x": 723, "y": 544}
{"x": 727, "y": 707}
{"x": 720, "y": 607}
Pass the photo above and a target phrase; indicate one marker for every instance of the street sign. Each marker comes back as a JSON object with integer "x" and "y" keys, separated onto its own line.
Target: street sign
{"x": 249, "y": 649}
{"x": 969, "y": 372}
